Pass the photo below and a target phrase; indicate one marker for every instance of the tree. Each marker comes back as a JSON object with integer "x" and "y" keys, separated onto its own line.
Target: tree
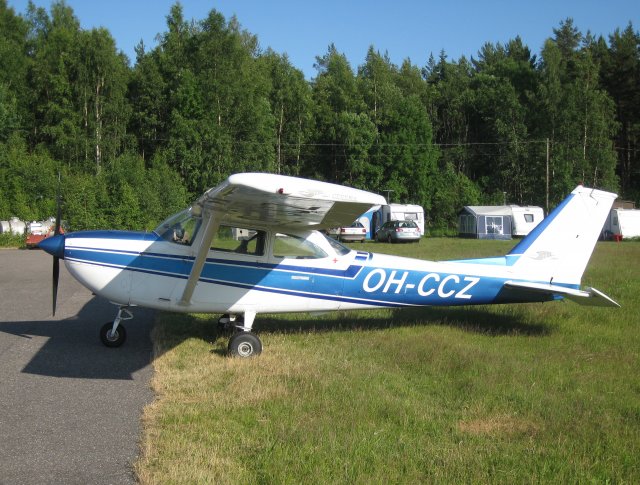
{"x": 620, "y": 75}
{"x": 403, "y": 153}
{"x": 101, "y": 87}
{"x": 290, "y": 104}
{"x": 14, "y": 65}
{"x": 147, "y": 96}
{"x": 580, "y": 117}
{"x": 335, "y": 92}
{"x": 79, "y": 81}
{"x": 54, "y": 48}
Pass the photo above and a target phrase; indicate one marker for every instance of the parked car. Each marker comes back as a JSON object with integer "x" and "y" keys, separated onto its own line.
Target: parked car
{"x": 398, "y": 231}
{"x": 354, "y": 233}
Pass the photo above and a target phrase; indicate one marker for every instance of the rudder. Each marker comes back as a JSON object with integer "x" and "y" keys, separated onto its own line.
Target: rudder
{"x": 558, "y": 249}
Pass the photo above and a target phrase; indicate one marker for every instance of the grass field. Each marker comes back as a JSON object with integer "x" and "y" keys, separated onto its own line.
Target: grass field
{"x": 501, "y": 394}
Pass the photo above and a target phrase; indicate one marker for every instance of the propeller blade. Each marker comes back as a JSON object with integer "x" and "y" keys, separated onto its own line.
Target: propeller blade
{"x": 56, "y": 275}
{"x": 58, "y": 211}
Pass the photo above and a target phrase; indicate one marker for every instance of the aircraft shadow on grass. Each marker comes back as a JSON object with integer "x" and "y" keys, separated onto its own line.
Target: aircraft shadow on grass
{"x": 73, "y": 348}
{"x": 476, "y": 320}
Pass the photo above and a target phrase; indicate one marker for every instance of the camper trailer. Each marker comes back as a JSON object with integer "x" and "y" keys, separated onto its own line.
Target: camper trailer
{"x": 524, "y": 219}
{"x": 622, "y": 224}
{"x": 373, "y": 219}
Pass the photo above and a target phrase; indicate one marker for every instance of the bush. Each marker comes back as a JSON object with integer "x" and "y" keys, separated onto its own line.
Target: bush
{"x": 8, "y": 240}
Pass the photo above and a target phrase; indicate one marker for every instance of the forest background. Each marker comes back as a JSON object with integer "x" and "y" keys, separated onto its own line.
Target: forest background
{"x": 135, "y": 143}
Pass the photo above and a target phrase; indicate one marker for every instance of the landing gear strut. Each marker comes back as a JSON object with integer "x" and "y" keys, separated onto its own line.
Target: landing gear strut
{"x": 113, "y": 334}
{"x": 243, "y": 343}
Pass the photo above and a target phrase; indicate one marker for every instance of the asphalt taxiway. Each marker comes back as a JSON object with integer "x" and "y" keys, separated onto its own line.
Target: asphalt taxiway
{"x": 69, "y": 407}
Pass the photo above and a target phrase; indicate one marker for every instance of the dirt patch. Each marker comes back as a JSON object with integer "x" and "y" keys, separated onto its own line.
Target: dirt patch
{"x": 500, "y": 424}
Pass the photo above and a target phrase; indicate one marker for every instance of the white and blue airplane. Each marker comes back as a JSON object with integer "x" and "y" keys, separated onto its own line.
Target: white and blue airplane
{"x": 252, "y": 245}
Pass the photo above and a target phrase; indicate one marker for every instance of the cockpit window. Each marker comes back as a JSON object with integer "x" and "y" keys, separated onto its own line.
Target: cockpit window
{"x": 289, "y": 246}
{"x": 180, "y": 228}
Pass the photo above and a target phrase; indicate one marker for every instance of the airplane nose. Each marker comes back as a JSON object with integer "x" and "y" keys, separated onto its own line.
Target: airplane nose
{"x": 54, "y": 245}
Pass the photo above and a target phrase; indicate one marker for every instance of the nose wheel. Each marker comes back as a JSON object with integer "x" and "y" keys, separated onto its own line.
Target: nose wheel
{"x": 112, "y": 338}
{"x": 113, "y": 334}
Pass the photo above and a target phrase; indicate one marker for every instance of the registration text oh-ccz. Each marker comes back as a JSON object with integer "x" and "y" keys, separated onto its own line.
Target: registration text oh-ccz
{"x": 444, "y": 286}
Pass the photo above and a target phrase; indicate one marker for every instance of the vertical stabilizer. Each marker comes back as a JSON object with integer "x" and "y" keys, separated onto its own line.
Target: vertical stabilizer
{"x": 558, "y": 249}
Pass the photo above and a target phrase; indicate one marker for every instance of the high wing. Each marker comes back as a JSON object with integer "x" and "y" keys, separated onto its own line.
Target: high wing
{"x": 281, "y": 201}
{"x": 268, "y": 200}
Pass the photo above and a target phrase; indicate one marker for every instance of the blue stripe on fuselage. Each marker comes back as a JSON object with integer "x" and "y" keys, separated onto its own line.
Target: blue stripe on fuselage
{"x": 172, "y": 263}
{"x": 365, "y": 285}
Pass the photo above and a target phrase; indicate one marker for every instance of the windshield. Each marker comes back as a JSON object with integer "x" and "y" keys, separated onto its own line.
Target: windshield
{"x": 337, "y": 247}
{"x": 181, "y": 228}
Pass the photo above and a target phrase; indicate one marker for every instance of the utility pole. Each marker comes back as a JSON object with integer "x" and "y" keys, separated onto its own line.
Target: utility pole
{"x": 547, "y": 180}
{"x": 388, "y": 191}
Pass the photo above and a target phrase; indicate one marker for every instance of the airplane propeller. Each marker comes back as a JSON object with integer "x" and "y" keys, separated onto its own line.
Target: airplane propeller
{"x": 54, "y": 245}
{"x": 56, "y": 259}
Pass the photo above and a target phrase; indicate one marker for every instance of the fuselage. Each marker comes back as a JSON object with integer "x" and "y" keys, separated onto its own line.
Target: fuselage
{"x": 131, "y": 268}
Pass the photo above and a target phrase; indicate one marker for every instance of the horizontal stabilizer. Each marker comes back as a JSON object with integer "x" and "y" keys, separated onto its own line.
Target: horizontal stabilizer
{"x": 589, "y": 296}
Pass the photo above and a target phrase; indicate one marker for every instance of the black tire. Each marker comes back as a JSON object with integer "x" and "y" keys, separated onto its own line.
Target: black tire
{"x": 389, "y": 239}
{"x": 113, "y": 340}
{"x": 245, "y": 344}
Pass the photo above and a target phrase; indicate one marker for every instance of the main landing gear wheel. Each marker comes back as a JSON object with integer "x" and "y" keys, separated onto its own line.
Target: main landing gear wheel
{"x": 112, "y": 338}
{"x": 245, "y": 344}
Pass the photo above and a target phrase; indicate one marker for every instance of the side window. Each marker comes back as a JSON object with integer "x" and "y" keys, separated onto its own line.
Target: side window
{"x": 528, "y": 217}
{"x": 239, "y": 240}
{"x": 287, "y": 246}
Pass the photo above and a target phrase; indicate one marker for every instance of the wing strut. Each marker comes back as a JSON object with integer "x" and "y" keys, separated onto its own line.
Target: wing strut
{"x": 205, "y": 244}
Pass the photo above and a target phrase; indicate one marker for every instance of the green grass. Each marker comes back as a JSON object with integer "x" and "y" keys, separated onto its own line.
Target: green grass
{"x": 530, "y": 393}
